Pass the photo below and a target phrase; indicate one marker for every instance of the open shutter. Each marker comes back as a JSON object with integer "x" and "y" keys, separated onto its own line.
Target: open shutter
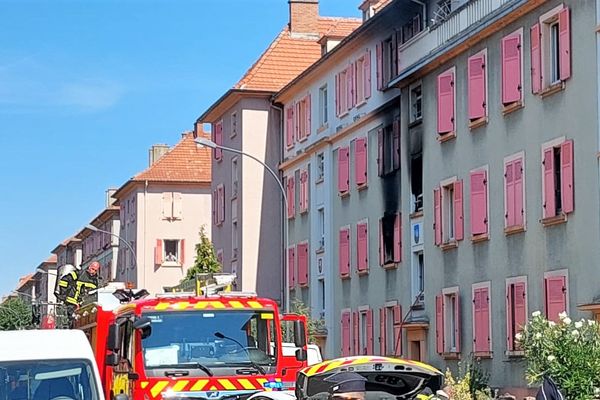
{"x": 308, "y": 115}
{"x": 479, "y": 203}
{"x": 445, "y": 97}
{"x": 381, "y": 244}
{"x": 476, "y": 73}
{"x": 291, "y": 197}
{"x": 566, "y": 176}
{"x": 303, "y": 264}
{"x": 510, "y": 329}
{"x": 564, "y": 43}
{"x": 536, "y": 59}
{"x": 396, "y": 144}
{"x": 158, "y": 252}
{"x": 303, "y": 190}
{"x": 380, "y": 153}
{"x": 397, "y": 350}
{"x": 369, "y": 332}
{"x": 343, "y": 170}
{"x": 439, "y": 324}
{"x": 367, "y": 74}
{"x": 360, "y": 164}
{"x": 182, "y": 251}
{"x": 379, "y": 60}
{"x": 509, "y": 197}
{"x": 459, "y": 226}
{"x": 344, "y": 250}
{"x": 398, "y": 238}
{"x": 556, "y": 297}
{"x": 519, "y": 209}
{"x": 345, "y": 322}
{"x": 520, "y": 308}
{"x": 382, "y": 332}
{"x": 221, "y": 196}
{"x": 356, "y": 332}
{"x": 457, "y": 319}
{"x": 349, "y": 87}
{"x": 511, "y": 69}
{"x": 549, "y": 184}
{"x": 218, "y": 139}
{"x": 362, "y": 247}
{"x": 337, "y": 95}
{"x": 437, "y": 216}
{"x": 289, "y": 126}
{"x": 292, "y": 267}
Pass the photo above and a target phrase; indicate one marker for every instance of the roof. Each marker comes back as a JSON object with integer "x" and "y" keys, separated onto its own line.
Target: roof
{"x": 52, "y": 259}
{"x": 23, "y": 281}
{"x": 34, "y": 345}
{"x": 65, "y": 243}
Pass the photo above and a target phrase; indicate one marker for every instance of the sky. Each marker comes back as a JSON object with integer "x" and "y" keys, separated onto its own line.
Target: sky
{"x": 86, "y": 87}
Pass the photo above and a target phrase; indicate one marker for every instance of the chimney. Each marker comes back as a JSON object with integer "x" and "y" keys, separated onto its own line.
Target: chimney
{"x": 304, "y": 17}
{"x": 371, "y": 7}
{"x": 156, "y": 152}
{"x": 109, "y": 199}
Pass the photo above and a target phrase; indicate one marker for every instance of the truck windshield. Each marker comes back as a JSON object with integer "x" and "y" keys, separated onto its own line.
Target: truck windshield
{"x": 213, "y": 339}
{"x": 45, "y": 380}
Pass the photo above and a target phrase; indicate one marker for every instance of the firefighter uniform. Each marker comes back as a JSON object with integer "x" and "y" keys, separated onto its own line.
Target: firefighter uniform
{"x": 74, "y": 286}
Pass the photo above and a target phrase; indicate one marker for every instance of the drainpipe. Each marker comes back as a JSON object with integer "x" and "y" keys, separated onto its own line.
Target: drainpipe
{"x": 424, "y": 7}
{"x": 598, "y": 87}
{"x": 145, "y": 238}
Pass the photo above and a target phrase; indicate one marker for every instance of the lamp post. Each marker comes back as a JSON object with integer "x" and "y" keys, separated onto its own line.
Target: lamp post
{"x": 95, "y": 229}
{"x": 43, "y": 271}
{"x": 209, "y": 143}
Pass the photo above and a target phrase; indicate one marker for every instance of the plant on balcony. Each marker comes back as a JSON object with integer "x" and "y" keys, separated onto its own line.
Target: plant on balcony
{"x": 316, "y": 327}
{"x": 566, "y": 351}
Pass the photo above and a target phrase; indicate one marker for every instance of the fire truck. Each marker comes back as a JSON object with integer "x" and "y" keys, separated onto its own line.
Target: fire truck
{"x": 212, "y": 345}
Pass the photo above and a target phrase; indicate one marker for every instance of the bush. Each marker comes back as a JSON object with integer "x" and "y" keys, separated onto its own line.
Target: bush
{"x": 567, "y": 351}
{"x": 471, "y": 382}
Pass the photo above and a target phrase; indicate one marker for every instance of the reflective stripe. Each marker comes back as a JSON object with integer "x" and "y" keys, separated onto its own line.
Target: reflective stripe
{"x": 63, "y": 284}
{"x": 236, "y": 304}
{"x": 74, "y": 275}
{"x": 162, "y": 306}
{"x": 227, "y": 385}
{"x": 158, "y": 388}
{"x": 199, "y": 385}
{"x": 144, "y": 384}
{"x": 179, "y": 386}
{"x": 71, "y": 300}
{"x": 255, "y": 304}
{"x": 182, "y": 305}
{"x": 246, "y": 384}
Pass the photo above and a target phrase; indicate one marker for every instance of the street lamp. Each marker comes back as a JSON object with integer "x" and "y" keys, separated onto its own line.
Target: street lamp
{"x": 209, "y": 143}
{"x": 95, "y": 229}
{"x": 43, "y": 271}
{"x": 32, "y": 297}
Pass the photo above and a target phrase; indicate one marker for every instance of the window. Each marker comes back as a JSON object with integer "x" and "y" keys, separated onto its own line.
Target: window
{"x": 554, "y": 53}
{"x": 412, "y": 27}
{"x": 292, "y": 266}
{"x": 360, "y": 80}
{"x": 218, "y": 139}
{"x": 304, "y": 190}
{"x": 512, "y": 62}
{"x": 321, "y": 297}
{"x": 416, "y": 103}
{"x": 556, "y": 294}
{"x": 366, "y": 331}
{"x": 169, "y": 252}
{"x": 320, "y": 167}
{"x": 446, "y": 98}
{"x": 341, "y": 92}
{"x": 516, "y": 310}
{"x": 321, "y": 221}
{"x": 220, "y": 203}
{"x": 302, "y": 120}
{"x": 418, "y": 281}
{"x": 477, "y": 83}
{"x": 362, "y": 247}
{"x": 390, "y": 319}
{"x": 416, "y": 181}
{"x": 303, "y": 263}
{"x": 479, "y": 203}
{"x": 448, "y": 321}
{"x": 234, "y": 177}
{"x": 390, "y": 239}
{"x": 557, "y": 173}
{"x": 343, "y": 170}
{"x": 482, "y": 326}
{"x": 388, "y": 149}
{"x": 448, "y": 212}
{"x": 387, "y": 61}
{"x": 323, "y": 105}
{"x": 514, "y": 192}
{"x": 233, "y": 124}
{"x": 345, "y": 323}
{"x": 360, "y": 161}
{"x": 234, "y": 239}
{"x": 291, "y": 195}
{"x": 289, "y": 127}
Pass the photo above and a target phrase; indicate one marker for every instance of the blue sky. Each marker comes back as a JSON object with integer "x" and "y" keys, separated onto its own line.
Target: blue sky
{"x": 86, "y": 87}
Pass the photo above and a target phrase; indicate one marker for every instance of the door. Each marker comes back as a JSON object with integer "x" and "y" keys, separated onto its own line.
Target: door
{"x": 123, "y": 373}
{"x": 289, "y": 343}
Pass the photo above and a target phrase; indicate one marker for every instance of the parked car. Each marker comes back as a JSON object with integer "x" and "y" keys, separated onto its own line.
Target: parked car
{"x": 47, "y": 364}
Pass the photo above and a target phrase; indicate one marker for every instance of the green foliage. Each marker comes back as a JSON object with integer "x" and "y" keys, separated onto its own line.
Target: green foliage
{"x": 567, "y": 351}
{"x": 15, "y": 314}
{"x": 315, "y": 326}
{"x": 206, "y": 259}
{"x": 471, "y": 382}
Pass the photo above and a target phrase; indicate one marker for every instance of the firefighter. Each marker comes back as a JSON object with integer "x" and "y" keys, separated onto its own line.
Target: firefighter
{"x": 87, "y": 282}
{"x": 73, "y": 286}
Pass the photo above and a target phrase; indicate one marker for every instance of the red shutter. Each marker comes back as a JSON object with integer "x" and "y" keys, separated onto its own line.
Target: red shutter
{"x": 478, "y": 202}
{"x": 556, "y": 297}
{"x": 367, "y": 74}
{"x": 362, "y": 247}
{"x": 344, "y": 250}
{"x": 303, "y": 190}
{"x": 345, "y": 322}
{"x": 381, "y": 244}
{"x": 215, "y": 206}
{"x": 356, "y": 333}
{"x": 564, "y": 43}
{"x": 349, "y": 88}
{"x": 380, "y": 153}
{"x": 566, "y": 176}
{"x": 369, "y": 332}
{"x": 549, "y": 184}
{"x": 382, "y": 332}
{"x": 481, "y": 320}
{"x": 437, "y": 216}
{"x": 307, "y": 111}
{"x": 397, "y": 350}
{"x": 457, "y": 322}
{"x": 292, "y": 267}
{"x": 158, "y": 252}
{"x": 509, "y": 194}
{"x": 182, "y": 251}
{"x": 343, "y": 170}
{"x": 303, "y": 264}
{"x": 360, "y": 164}
{"x": 291, "y": 197}
{"x": 511, "y": 69}
{"x": 510, "y": 329}
{"x": 398, "y": 238}
{"x": 439, "y": 324}
{"x": 518, "y": 208}
{"x": 459, "y": 227}
{"x": 337, "y": 95}
{"x": 520, "y": 308}
{"x": 379, "y": 60}
{"x": 536, "y": 59}
{"x": 289, "y": 126}
{"x": 396, "y": 144}
{"x": 476, "y": 73}
{"x": 445, "y": 97}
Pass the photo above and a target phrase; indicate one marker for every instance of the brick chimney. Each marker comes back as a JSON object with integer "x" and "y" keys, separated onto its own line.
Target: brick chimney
{"x": 304, "y": 17}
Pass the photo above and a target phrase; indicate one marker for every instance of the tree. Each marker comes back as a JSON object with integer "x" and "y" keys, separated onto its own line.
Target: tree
{"x": 314, "y": 327}
{"x": 15, "y": 314}
{"x": 206, "y": 259}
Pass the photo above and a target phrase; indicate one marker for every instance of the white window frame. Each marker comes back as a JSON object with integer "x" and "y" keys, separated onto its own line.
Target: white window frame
{"x": 546, "y": 21}
{"x": 415, "y": 287}
{"x": 321, "y": 226}
{"x": 177, "y": 261}
{"x": 483, "y": 285}
{"x": 235, "y": 168}
{"x": 513, "y": 157}
{"x": 362, "y": 328}
{"x": 322, "y": 296}
{"x": 323, "y": 106}
{"x": 447, "y": 205}
{"x": 390, "y": 338}
{"x": 234, "y": 239}
{"x": 412, "y": 101}
{"x": 449, "y": 316}
{"x": 511, "y": 281}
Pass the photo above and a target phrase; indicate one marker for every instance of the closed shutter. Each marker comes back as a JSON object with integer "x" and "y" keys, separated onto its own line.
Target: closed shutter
{"x": 362, "y": 247}
{"x": 345, "y": 322}
{"x": 457, "y": 319}
{"x": 481, "y": 320}
{"x": 564, "y": 43}
{"x": 289, "y": 126}
{"x": 519, "y": 208}
{"x": 291, "y": 197}
{"x": 382, "y": 332}
{"x": 380, "y": 153}
{"x": 549, "y": 184}
{"x": 511, "y": 69}
{"x": 520, "y": 308}
{"x": 556, "y": 297}
{"x": 445, "y": 98}
{"x": 566, "y": 176}
{"x": 344, "y": 250}
{"x": 397, "y": 350}
{"x": 356, "y": 333}
{"x": 292, "y": 267}
{"x": 379, "y": 60}
{"x": 182, "y": 251}
{"x": 476, "y": 73}
{"x": 479, "y": 203}
{"x": 509, "y": 194}
{"x": 367, "y": 74}
{"x": 398, "y": 238}
{"x": 177, "y": 206}
{"x": 349, "y": 87}
{"x": 369, "y": 342}
{"x": 302, "y": 264}
{"x": 536, "y": 59}
{"x": 167, "y": 205}
{"x": 439, "y": 324}
{"x": 337, "y": 95}
{"x": 343, "y": 170}
{"x": 396, "y": 144}
{"x": 360, "y": 163}
{"x": 458, "y": 210}
{"x": 158, "y": 252}
{"x": 437, "y": 216}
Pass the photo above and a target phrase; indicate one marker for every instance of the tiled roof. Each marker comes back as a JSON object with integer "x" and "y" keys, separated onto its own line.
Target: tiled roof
{"x": 24, "y": 280}
{"x": 288, "y": 55}
{"x": 185, "y": 162}
{"x": 52, "y": 259}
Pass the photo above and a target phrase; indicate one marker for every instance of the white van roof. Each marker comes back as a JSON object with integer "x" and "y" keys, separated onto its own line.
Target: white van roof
{"x": 44, "y": 344}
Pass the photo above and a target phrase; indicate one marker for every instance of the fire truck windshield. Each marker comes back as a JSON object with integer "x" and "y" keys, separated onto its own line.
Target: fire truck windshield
{"x": 211, "y": 339}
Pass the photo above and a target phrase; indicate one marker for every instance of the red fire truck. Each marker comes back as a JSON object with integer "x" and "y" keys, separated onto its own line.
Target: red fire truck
{"x": 213, "y": 347}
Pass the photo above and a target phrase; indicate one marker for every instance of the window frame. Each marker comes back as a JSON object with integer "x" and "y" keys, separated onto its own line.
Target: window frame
{"x": 234, "y": 177}
{"x": 554, "y": 274}
{"x": 323, "y": 106}
{"x": 455, "y": 314}
{"x": 448, "y": 203}
{"x": 476, "y": 286}
{"x": 546, "y": 23}
{"x": 561, "y": 216}
{"x": 234, "y": 239}
{"x": 177, "y": 261}
{"x": 320, "y": 162}
{"x": 510, "y": 328}
{"x": 413, "y": 118}
{"x": 507, "y": 160}
{"x": 233, "y": 124}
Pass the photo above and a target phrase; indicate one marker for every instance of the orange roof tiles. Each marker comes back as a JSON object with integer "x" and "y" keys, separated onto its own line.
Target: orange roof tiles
{"x": 52, "y": 259}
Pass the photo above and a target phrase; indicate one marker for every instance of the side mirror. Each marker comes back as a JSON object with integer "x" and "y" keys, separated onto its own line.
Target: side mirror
{"x": 113, "y": 342}
{"x": 146, "y": 332}
{"x": 112, "y": 359}
{"x": 141, "y": 323}
{"x": 299, "y": 334}
{"x": 301, "y": 355}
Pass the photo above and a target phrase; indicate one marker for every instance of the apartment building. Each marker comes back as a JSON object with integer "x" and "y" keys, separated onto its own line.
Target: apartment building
{"x": 247, "y": 203}
{"x": 68, "y": 252}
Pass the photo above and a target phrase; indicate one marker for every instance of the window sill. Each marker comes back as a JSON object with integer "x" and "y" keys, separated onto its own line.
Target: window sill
{"x": 451, "y": 356}
{"x": 171, "y": 264}
{"x": 482, "y": 237}
{"x": 390, "y": 265}
{"x": 512, "y": 107}
{"x": 364, "y": 186}
{"x": 453, "y": 244}
{"x": 304, "y": 211}
{"x": 552, "y": 89}
{"x": 233, "y": 135}
{"x": 483, "y": 354}
{"x": 556, "y": 220}
{"x": 416, "y": 214}
{"x": 344, "y": 194}
{"x": 515, "y": 353}
{"x": 362, "y": 103}
{"x": 511, "y": 230}
{"x": 444, "y": 137}
{"x": 291, "y": 216}
{"x": 416, "y": 122}
{"x": 478, "y": 123}
{"x": 364, "y": 272}
{"x": 303, "y": 139}
{"x": 234, "y": 196}
{"x": 323, "y": 128}
{"x": 320, "y": 250}
{"x": 344, "y": 114}
{"x": 345, "y": 277}
{"x": 219, "y": 159}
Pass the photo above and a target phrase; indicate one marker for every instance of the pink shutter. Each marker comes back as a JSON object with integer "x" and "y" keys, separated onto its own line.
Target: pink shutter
{"x": 511, "y": 69}
{"x": 215, "y": 206}
{"x": 221, "y": 190}
{"x": 445, "y": 97}
{"x": 437, "y": 216}
{"x": 356, "y": 333}
{"x": 367, "y": 74}
{"x": 349, "y": 88}
{"x": 458, "y": 210}
{"x": 369, "y": 332}
{"x": 306, "y": 190}
{"x": 536, "y": 59}
{"x": 556, "y": 297}
{"x": 520, "y": 306}
{"x": 382, "y": 332}
{"x": 303, "y": 264}
{"x": 291, "y": 197}
{"x": 379, "y": 60}
{"x": 380, "y": 153}
{"x": 219, "y": 140}
{"x": 297, "y": 121}
{"x": 397, "y": 350}
{"x": 182, "y": 251}
{"x": 566, "y": 176}
{"x": 289, "y": 126}
{"x": 439, "y": 324}
{"x": 337, "y": 95}
{"x": 509, "y": 196}
{"x": 343, "y": 170}
{"x": 158, "y": 252}
{"x": 381, "y": 244}
{"x": 346, "y": 351}
{"x": 362, "y": 247}
{"x": 564, "y": 43}
{"x": 396, "y": 144}
{"x": 510, "y": 329}
{"x": 292, "y": 267}
{"x": 398, "y": 238}
{"x": 344, "y": 250}
{"x": 360, "y": 163}
{"x": 303, "y": 190}
{"x": 308, "y": 115}
{"x": 457, "y": 322}
{"x": 478, "y": 202}
{"x": 481, "y": 320}
{"x": 518, "y": 208}
{"x": 476, "y": 73}
{"x": 549, "y": 184}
